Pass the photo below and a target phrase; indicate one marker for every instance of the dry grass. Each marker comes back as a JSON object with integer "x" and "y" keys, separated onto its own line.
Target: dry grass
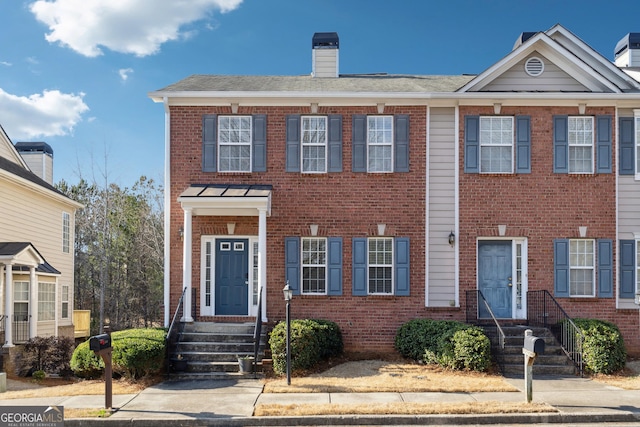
{"x": 389, "y": 376}
{"x": 403, "y": 409}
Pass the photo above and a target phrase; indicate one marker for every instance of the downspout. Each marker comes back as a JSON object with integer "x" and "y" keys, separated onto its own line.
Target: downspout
{"x": 167, "y": 212}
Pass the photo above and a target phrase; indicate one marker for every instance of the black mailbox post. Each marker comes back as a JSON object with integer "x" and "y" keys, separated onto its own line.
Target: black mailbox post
{"x": 533, "y": 346}
{"x": 101, "y": 346}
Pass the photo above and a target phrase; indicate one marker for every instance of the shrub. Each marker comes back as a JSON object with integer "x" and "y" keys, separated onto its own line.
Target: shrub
{"x": 311, "y": 341}
{"x": 603, "y": 348}
{"x": 48, "y": 354}
{"x": 136, "y": 353}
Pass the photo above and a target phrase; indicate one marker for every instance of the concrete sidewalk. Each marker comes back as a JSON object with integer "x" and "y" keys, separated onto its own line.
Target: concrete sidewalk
{"x": 231, "y": 403}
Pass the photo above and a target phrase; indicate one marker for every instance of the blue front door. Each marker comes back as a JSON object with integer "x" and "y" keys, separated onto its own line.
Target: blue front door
{"x": 494, "y": 278}
{"x": 232, "y": 277}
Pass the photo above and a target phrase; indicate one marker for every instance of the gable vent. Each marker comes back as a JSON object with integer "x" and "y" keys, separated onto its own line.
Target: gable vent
{"x": 534, "y": 66}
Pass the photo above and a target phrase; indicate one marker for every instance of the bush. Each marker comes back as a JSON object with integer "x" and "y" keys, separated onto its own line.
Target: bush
{"x": 603, "y": 348}
{"x": 136, "y": 353}
{"x": 447, "y": 343}
{"x": 311, "y": 341}
{"x": 48, "y": 354}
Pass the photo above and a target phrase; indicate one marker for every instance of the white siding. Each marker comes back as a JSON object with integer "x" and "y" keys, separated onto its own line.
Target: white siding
{"x": 441, "y": 209}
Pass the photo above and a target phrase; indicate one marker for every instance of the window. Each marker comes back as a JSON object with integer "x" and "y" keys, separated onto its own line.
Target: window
{"x": 314, "y": 144}
{"x": 496, "y": 144}
{"x": 380, "y": 143}
{"x": 66, "y": 232}
{"x": 46, "y": 301}
{"x": 581, "y": 267}
{"x": 65, "y": 301}
{"x": 380, "y": 265}
{"x": 234, "y": 139}
{"x": 21, "y": 301}
{"x": 314, "y": 265}
{"x": 580, "y": 144}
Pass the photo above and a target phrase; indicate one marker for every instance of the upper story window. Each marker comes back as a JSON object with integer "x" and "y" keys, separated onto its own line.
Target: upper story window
{"x": 496, "y": 144}
{"x": 380, "y": 143}
{"x": 234, "y": 140}
{"x": 66, "y": 232}
{"x": 314, "y": 265}
{"x": 314, "y": 144}
{"x": 580, "y": 144}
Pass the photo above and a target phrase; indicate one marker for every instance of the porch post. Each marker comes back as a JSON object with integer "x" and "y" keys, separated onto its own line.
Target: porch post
{"x": 33, "y": 303}
{"x": 262, "y": 260}
{"x": 186, "y": 266}
{"x": 8, "y": 306}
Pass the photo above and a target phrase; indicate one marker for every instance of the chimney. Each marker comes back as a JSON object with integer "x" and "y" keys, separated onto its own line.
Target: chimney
{"x": 39, "y": 157}
{"x": 627, "y": 53}
{"x": 325, "y": 49}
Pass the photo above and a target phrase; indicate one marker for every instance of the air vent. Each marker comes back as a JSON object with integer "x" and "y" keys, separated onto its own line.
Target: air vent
{"x": 534, "y": 66}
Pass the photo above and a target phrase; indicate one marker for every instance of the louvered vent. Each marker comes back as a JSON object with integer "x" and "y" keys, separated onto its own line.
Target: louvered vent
{"x": 534, "y": 66}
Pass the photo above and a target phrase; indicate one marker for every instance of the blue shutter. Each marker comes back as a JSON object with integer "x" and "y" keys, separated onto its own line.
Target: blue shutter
{"x": 627, "y": 143}
{"x": 259, "y": 143}
{"x": 472, "y": 144}
{"x": 209, "y": 143}
{"x": 359, "y": 143}
{"x": 293, "y": 143}
{"x": 560, "y": 144}
{"x": 401, "y": 142}
{"x": 603, "y": 144}
{"x": 627, "y": 268}
{"x": 359, "y": 283}
{"x": 523, "y": 144}
{"x": 401, "y": 265}
{"x": 335, "y": 265}
{"x": 292, "y": 263}
{"x": 335, "y": 143}
{"x": 605, "y": 268}
{"x": 561, "y": 267}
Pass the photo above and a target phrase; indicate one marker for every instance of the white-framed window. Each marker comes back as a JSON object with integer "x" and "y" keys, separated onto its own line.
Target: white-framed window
{"x": 20, "y": 301}
{"x": 234, "y": 143}
{"x": 380, "y": 143}
{"x": 314, "y": 144}
{"x": 314, "y": 265}
{"x": 64, "y": 301}
{"x": 582, "y": 258}
{"x": 66, "y": 232}
{"x": 581, "y": 137}
{"x": 46, "y": 301}
{"x": 380, "y": 257}
{"x": 496, "y": 144}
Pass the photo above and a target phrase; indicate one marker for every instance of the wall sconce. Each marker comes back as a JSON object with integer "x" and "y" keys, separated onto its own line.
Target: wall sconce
{"x": 314, "y": 229}
{"x": 231, "y": 227}
{"x": 181, "y": 232}
{"x": 583, "y": 231}
{"x": 381, "y": 228}
{"x": 452, "y": 238}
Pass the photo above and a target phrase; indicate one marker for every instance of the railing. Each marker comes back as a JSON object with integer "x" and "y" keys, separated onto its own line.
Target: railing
{"x": 257, "y": 331}
{"x": 543, "y": 310}
{"x": 474, "y": 298}
{"x": 175, "y": 331}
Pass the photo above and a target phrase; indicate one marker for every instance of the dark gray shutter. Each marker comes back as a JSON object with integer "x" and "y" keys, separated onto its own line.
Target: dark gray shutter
{"x": 523, "y": 144}
{"x": 292, "y": 263}
{"x": 605, "y": 268}
{"x": 561, "y": 267}
{"x": 359, "y": 143}
{"x": 401, "y": 141}
{"x": 560, "y": 144}
{"x": 359, "y": 282}
{"x": 401, "y": 265}
{"x": 603, "y": 144}
{"x": 627, "y": 146}
{"x": 472, "y": 144}
{"x": 259, "y": 143}
{"x": 627, "y": 268}
{"x": 293, "y": 143}
{"x": 209, "y": 143}
{"x": 335, "y": 265}
{"x": 334, "y": 143}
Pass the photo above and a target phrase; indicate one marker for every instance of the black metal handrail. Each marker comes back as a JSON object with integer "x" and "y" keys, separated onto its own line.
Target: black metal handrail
{"x": 543, "y": 310}
{"x": 174, "y": 332}
{"x": 257, "y": 331}
{"x": 473, "y": 298}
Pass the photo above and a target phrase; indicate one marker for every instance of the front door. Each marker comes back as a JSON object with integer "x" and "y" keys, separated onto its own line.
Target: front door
{"x": 232, "y": 277}
{"x": 495, "y": 278}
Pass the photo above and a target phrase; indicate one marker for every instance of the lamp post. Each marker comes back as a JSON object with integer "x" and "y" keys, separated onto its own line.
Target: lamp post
{"x": 288, "y": 294}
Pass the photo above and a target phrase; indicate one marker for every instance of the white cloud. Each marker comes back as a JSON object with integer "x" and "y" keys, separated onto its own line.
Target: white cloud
{"x": 50, "y": 113}
{"x": 124, "y": 73}
{"x": 136, "y": 27}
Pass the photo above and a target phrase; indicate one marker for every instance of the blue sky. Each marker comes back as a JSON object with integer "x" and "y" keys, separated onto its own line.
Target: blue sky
{"x": 76, "y": 73}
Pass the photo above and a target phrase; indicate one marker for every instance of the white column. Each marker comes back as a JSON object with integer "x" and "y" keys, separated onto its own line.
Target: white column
{"x": 8, "y": 306}
{"x": 33, "y": 303}
{"x": 262, "y": 259}
{"x": 186, "y": 266}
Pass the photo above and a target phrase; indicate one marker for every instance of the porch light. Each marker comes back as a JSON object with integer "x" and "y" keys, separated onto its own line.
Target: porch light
{"x": 452, "y": 238}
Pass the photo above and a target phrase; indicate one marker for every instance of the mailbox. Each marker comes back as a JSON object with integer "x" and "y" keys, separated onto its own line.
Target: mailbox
{"x": 534, "y": 345}
{"x": 100, "y": 342}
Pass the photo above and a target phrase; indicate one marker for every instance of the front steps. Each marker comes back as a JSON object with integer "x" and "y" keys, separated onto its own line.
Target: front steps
{"x": 552, "y": 362}
{"x": 211, "y": 350}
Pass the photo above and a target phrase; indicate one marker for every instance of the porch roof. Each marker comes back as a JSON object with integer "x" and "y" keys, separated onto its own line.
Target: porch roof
{"x": 226, "y": 199}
